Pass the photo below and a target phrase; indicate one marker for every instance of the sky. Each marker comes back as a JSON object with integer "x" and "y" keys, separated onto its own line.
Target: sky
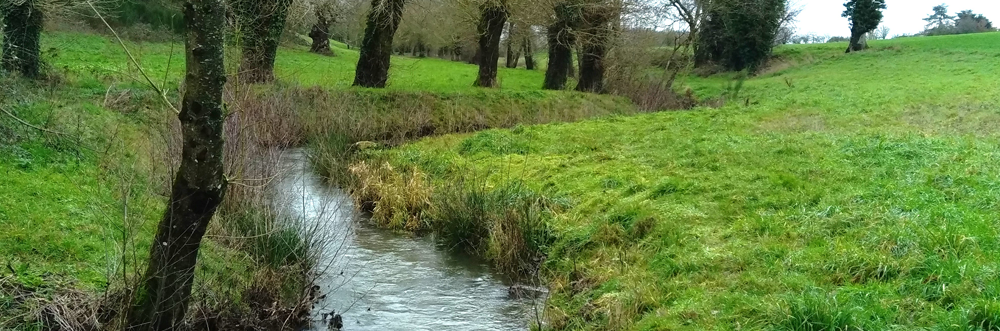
{"x": 822, "y": 17}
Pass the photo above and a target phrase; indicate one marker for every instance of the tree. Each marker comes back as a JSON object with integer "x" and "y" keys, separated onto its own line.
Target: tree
{"x": 21, "y": 37}
{"x": 199, "y": 185}
{"x": 494, "y": 16}
{"x": 739, "y": 34}
{"x": 529, "y": 53}
{"x": 597, "y": 18}
{"x": 320, "y": 31}
{"x": 513, "y": 51}
{"x": 561, "y": 39}
{"x": 261, "y": 23}
{"x": 939, "y": 19}
{"x": 968, "y": 22}
{"x": 376, "y": 48}
{"x": 882, "y": 32}
{"x": 864, "y": 16}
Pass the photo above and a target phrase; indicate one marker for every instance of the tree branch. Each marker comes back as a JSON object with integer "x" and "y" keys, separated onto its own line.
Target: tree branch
{"x": 162, "y": 94}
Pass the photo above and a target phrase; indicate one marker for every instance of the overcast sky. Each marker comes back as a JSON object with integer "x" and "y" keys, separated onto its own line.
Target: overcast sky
{"x": 822, "y": 17}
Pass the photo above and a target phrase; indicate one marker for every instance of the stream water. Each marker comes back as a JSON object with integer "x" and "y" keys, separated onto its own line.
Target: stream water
{"x": 382, "y": 280}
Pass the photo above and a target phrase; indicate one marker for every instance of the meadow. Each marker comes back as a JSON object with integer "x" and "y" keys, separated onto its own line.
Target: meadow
{"x": 832, "y": 192}
{"x": 86, "y": 174}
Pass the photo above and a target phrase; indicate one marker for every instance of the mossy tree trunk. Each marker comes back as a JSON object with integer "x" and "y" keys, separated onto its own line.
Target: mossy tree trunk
{"x": 262, "y": 23}
{"x": 21, "y": 37}
{"x": 494, "y": 16}
{"x": 376, "y": 48}
{"x": 198, "y": 186}
{"x": 595, "y": 36}
{"x": 320, "y": 34}
{"x": 561, "y": 39}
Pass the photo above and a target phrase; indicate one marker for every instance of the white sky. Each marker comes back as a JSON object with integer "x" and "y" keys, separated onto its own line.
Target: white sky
{"x": 822, "y": 17}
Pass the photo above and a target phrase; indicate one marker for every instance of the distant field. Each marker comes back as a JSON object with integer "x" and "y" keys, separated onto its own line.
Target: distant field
{"x": 838, "y": 192}
{"x": 94, "y": 55}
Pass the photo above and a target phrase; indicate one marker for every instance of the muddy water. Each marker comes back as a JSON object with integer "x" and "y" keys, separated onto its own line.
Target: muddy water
{"x": 381, "y": 280}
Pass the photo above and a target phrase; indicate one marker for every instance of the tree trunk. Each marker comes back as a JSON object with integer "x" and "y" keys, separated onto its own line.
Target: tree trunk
{"x": 22, "y": 38}
{"x": 594, "y": 44}
{"x": 529, "y": 51}
{"x": 512, "y": 55}
{"x": 376, "y": 48}
{"x": 199, "y": 185}
{"x": 320, "y": 35}
{"x": 561, "y": 39}
{"x": 856, "y": 44}
{"x": 490, "y": 30}
{"x": 475, "y": 57}
{"x": 262, "y": 23}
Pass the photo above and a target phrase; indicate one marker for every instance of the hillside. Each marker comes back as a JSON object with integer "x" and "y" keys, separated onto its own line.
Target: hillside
{"x": 837, "y": 192}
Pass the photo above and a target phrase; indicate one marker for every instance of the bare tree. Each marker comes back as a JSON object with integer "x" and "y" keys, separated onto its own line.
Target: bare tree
{"x": 880, "y": 33}
{"x": 494, "y": 16}
{"x": 21, "y": 37}
{"x": 376, "y": 48}
{"x": 199, "y": 185}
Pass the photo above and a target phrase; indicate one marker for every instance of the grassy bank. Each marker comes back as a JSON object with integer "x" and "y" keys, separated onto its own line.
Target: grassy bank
{"x": 84, "y": 188}
{"x": 843, "y": 192}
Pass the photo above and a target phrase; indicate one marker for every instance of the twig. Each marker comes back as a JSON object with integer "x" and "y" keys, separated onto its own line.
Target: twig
{"x": 132, "y": 58}
{"x": 31, "y": 125}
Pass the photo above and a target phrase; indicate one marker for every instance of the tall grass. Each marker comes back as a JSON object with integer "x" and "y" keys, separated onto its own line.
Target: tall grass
{"x": 507, "y": 225}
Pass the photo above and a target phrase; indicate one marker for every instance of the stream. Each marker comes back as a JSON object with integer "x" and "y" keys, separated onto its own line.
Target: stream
{"x": 383, "y": 280}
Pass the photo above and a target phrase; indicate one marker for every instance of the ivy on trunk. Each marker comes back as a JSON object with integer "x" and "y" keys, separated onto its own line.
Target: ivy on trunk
{"x": 21, "y": 38}
{"x": 376, "y": 48}
{"x": 199, "y": 185}
{"x": 262, "y": 23}
{"x": 320, "y": 35}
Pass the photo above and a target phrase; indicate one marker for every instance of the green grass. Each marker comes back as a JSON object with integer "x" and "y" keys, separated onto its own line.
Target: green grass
{"x": 842, "y": 192}
{"x": 65, "y": 201}
{"x": 91, "y": 56}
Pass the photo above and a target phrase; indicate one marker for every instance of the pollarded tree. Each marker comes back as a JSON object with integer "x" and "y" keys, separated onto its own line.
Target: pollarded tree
{"x": 494, "y": 14}
{"x": 376, "y": 48}
{"x": 597, "y": 19}
{"x": 326, "y": 15}
{"x": 199, "y": 185}
{"x": 864, "y": 16}
{"x": 261, "y": 23}
{"x": 561, "y": 37}
{"x": 21, "y": 37}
